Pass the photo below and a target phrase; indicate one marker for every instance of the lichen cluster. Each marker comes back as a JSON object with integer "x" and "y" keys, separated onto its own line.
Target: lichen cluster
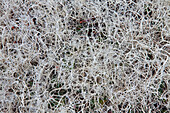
{"x": 84, "y": 56}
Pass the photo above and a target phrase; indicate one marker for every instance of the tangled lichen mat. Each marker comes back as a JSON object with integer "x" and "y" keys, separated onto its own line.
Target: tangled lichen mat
{"x": 84, "y": 56}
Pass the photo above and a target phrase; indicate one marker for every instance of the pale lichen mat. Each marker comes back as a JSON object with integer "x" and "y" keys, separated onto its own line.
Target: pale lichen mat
{"x": 84, "y": 56}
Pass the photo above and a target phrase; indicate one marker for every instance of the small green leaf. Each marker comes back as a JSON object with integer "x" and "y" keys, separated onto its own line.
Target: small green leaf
{"x": 62, "y": 92}
{"x": 92, "y": 104}
{"x": 101, "y": 101}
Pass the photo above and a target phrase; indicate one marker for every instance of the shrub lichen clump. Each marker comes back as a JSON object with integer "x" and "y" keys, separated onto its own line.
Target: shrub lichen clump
{"x": 84, "y": 56}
